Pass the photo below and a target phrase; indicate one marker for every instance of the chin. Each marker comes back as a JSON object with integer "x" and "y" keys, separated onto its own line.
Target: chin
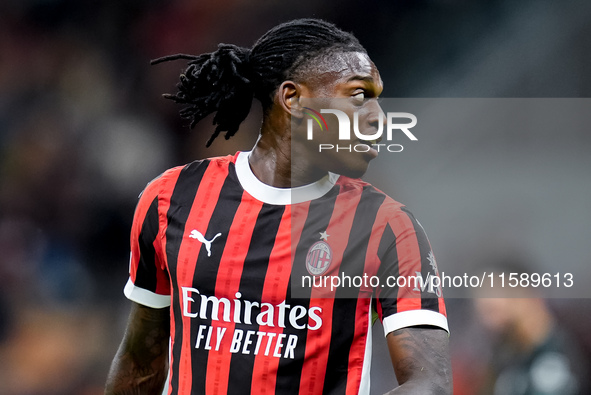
{"x": 352, "y": 170}
{"x": 352, "y": 165}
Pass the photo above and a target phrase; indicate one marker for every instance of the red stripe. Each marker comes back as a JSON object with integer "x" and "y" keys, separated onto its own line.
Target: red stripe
{"x": 442, "y": 309}
{"x": 357, "y": 351}
{"x": 163, "y": 285}
{"x": 227, "y": 285}
{"x": 199, "y": 217}
{"x": 264, "y": 377}
{"x": 409, "y": 260}
{"x": 372, "y": 263}
{"x": 163, "y": 206}
{"x": 316, "y": 354}
{"x": 299, "y": 213}
{"x": 169, "y": 179}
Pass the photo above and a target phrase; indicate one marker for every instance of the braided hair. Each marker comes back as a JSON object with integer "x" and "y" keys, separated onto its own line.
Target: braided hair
{"x": 226, "y": 81}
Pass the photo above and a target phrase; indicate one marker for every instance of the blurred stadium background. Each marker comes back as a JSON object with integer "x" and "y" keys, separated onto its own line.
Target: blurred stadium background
{"x": 83, "y": 128}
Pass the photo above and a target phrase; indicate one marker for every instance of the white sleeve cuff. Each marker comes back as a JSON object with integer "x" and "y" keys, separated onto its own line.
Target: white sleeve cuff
{"x": 145, "y": 297}
{"x": 412, "y": 318}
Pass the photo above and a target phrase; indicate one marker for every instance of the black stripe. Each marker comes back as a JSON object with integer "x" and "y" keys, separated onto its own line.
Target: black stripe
{"x": 429, "y": 300}
{"x": 180, "y": 205}
{"x": 146, "y": 272}
{"x": 346, "y": 298}
{"x": 388, "y": 267}
{"x": 252, "y": 283}
{"x": 353, "y": 263}
{"x": 206, "y": 271}
{"x": 317, "y": 220}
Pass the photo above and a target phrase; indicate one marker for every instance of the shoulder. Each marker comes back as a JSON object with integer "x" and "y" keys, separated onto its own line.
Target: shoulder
{"x": 166, "y": 181}
{"x": 389, "y": 207}
{"x": 392, "y": 218}
{"x": 157, "y": 185}
{"x": 215, "y": 162}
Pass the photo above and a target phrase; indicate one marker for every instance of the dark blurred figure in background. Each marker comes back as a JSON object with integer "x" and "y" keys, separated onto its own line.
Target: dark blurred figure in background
{"x": 532, "y": 353}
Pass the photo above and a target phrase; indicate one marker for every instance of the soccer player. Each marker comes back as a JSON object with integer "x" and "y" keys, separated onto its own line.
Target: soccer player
{"x": 216, "y": 244}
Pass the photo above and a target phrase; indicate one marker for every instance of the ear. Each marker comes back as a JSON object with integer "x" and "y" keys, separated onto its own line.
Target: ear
{"x": 288, "y": 96}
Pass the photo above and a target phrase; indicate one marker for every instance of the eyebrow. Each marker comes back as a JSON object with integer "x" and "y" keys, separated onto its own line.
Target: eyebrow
{"x": 367, "y": 78}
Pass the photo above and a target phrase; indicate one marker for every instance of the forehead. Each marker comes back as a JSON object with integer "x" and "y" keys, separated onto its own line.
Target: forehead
{"x": 354, "y": 62}
{"x": 340, "y": 67}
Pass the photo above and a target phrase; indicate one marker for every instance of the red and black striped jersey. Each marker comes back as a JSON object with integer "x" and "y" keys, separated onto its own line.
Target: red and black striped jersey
{"x": 241, "y": 265}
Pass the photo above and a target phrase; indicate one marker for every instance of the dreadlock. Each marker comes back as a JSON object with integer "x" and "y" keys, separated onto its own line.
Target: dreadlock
{"x": 226, "y": 81}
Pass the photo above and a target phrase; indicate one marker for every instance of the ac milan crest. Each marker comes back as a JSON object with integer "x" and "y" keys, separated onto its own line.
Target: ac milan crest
{"x": 319, "y": 258}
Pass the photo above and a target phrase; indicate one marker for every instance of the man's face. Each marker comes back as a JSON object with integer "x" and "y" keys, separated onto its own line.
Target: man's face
{"x": 351, "y": 83}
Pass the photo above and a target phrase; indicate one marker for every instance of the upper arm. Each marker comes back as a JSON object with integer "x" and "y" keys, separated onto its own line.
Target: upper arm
{"x": 413, "y": 310}
{"x": 141, "y": 362}
{"x": 149, "y": 280}
{"x": 421, "y": 360}
{"x": 407, "y": 267}
{"x": 147, "y": 332}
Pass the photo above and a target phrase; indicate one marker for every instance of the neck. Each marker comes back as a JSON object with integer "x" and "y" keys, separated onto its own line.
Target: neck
{"x": 277, "y": 162}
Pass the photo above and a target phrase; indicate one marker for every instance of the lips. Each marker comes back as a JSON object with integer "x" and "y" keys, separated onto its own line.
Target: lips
{"x": 370, "y": 142}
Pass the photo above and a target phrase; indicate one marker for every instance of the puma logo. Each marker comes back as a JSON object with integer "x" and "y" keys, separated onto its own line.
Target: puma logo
{"x": 195, "y": 234}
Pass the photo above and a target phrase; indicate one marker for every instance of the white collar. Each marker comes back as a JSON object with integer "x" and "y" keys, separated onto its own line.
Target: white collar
{"x": 280, "y": 196}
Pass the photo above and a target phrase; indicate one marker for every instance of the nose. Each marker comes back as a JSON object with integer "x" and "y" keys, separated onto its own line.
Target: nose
{"x": 376, "y": 116}
{"x": 375, "y": 112}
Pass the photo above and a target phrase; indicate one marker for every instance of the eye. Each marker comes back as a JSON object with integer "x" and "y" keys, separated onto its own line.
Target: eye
{"x": 359, "y": 97}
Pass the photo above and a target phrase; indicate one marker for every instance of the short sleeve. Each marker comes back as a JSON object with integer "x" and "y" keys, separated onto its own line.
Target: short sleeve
{"x": 408, "y": 296}
{"x": 149, "y": 281}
